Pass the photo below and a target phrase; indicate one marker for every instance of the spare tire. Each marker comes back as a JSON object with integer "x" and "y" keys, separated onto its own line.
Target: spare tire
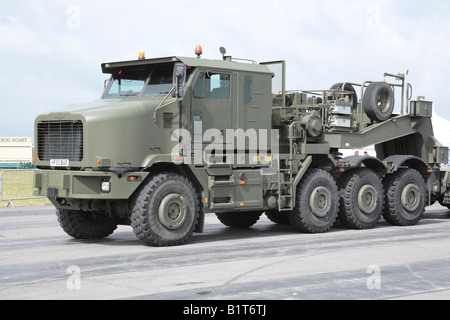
{"x": 347, "y": 87}
{"x": 379, "y": 101}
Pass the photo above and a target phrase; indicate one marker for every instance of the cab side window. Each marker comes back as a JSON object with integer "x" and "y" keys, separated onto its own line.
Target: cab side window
{"x": 215, "y": 86}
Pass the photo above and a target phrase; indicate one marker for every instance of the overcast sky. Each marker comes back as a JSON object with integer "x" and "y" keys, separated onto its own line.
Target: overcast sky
{"x": 51, "y": 50}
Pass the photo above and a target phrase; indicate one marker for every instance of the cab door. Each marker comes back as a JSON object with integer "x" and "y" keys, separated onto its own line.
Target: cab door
{"x": 212, "y": 114}
{"x": 211, "y": 104}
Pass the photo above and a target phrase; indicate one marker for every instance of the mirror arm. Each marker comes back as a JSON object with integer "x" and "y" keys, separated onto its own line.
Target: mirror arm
{"x": 161, "y": 104}
{"x": 177, "y": 86}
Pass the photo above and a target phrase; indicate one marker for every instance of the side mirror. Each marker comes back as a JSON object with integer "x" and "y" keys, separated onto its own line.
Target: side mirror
{"x": 179, "y": 78}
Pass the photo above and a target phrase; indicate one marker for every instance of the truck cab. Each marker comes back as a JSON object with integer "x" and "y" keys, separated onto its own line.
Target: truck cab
{"x": 156, "y": 116}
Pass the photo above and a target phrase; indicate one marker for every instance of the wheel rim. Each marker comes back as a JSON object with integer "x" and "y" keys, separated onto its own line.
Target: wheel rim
{"x": 383, "y": 100}
{"x": 320, "y": 202}
{"x": 172, "y": 212}
{"x": 367, "y": 199}
{"x": 410, "y": 198}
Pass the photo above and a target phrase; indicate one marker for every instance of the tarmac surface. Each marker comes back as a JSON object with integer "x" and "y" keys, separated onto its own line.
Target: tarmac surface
{"x": 266, "y": 262}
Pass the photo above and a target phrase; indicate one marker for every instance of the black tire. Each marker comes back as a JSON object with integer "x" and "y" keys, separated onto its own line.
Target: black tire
{"x": 277, "y": 217}
{"x": 379, "y": 101}
{"x": 86, "y": 225}
{"x": 361, "y": 199}
{"x": 317, "y": 203}
{"x": 347, "y": 87}
{"x": 239, "y": 220}
{"x": 165, "y": 211}
{"x": 405, "y": 197}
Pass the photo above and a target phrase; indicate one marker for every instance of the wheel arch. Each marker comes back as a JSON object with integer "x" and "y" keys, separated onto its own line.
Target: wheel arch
{"x": 413, "y": 162}
{"x": 369, "y": 162}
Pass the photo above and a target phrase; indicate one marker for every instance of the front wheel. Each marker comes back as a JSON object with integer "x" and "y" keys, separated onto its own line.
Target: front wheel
{"x": 166, "y": 210}
{"x": 405, "y": 197}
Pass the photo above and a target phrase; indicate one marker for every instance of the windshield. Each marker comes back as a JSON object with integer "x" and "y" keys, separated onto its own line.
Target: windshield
{"x": 125, "y": 88}
{"x": 153, "y": 81}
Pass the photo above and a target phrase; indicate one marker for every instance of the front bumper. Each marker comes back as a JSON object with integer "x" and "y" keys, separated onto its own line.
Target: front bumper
{"x": 86, "y": 185}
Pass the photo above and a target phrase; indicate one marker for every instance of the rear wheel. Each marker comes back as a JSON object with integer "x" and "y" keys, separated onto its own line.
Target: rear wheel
{"x": 239, "y": 220}
{"x": 405, "y": 197}
{"x": 277, "y": 217}
{"x": 86, "y": 225}
{"x": 166, "y": 210}
{"x": 361, "y": 196}
{"x": 317, "y": 203}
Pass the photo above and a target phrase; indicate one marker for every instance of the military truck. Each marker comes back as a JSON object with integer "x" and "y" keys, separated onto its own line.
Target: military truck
{"x": 175, "y": 138}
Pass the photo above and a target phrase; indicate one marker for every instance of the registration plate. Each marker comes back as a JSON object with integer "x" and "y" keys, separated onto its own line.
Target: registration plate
{"x": 59, "y": 163}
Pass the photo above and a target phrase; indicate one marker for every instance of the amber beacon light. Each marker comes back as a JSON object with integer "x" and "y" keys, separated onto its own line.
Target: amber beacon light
{"x": 198, "y": 51}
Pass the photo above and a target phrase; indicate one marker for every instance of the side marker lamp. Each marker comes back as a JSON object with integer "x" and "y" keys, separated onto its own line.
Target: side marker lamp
{"x": 134, "y": 178}
{"x": 177, "y": 159}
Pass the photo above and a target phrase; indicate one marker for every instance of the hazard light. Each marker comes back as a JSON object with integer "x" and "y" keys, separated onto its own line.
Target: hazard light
{"x": 198, "y": 51}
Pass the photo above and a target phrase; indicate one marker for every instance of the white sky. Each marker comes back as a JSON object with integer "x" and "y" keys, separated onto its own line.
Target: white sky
{"x": 51, "y": 50}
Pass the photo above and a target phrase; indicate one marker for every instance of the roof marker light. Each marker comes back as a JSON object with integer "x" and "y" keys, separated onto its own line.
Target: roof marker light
{"x": 198, "y": 51}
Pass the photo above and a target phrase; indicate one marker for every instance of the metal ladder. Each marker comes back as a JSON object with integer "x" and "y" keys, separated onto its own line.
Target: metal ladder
{"x": 285, "y": 199}
{"x": 287, "y": 170}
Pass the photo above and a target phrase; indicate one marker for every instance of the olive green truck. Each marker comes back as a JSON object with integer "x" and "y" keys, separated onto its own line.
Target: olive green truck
{"x": 172, "y": 139}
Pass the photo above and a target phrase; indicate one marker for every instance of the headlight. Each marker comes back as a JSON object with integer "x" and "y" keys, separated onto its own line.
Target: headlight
{"x": 106, "y": 187}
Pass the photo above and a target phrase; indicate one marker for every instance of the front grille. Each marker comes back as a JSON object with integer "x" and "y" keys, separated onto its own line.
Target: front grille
{"x": 60, "y": 140}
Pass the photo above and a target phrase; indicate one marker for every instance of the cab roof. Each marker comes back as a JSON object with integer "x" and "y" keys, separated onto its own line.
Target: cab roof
{"x": 111, "y": 67}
